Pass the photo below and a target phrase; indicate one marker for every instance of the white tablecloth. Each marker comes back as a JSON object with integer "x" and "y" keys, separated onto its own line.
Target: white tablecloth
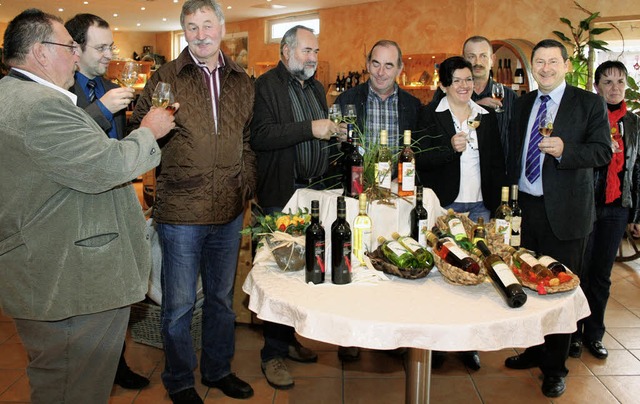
{"x": 427, "y": 313}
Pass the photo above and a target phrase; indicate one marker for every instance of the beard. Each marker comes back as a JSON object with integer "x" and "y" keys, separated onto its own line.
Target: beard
{"x": 299, "y": 70}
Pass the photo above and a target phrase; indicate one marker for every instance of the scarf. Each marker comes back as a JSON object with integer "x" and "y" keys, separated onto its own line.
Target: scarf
{"x": 613, "y": 190}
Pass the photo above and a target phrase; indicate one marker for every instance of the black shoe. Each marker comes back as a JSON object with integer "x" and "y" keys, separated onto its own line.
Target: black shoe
{"x": 437, "y": 359}
{"x": 471, "y": 359}
{"x": 522, "y": 361}
{"x": 187, "y": 396}
{"x": 348, "y": 353}
{"x": 127, "y": 379}
{"x": 597, "y": 349}
{"x": 575, "y": 349}
{"x": 231, "y": 386}
{"x": 553, "y": 386}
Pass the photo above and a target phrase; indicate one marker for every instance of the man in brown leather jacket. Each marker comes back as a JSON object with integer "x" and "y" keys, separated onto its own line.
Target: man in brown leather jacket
{"x": 206, "y": 176}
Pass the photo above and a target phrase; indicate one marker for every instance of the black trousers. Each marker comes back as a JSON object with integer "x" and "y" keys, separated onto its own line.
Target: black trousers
{"x": 538, "y": 236}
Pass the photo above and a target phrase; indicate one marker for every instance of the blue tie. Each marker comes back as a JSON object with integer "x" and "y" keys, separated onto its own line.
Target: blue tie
{"x": 91, "y": 86}
{"x": 532, "y": 166}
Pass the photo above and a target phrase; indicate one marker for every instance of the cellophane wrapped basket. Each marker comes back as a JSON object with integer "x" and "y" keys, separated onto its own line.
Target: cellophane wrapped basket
{"x": 288, "y": 250}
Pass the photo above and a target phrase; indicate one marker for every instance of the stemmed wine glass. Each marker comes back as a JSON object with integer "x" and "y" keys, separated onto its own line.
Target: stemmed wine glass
{"x": 162, "y": 96}
{"x": 335, "y": 114}
{"x": 473, "y": 122}
{"x": 350, "y": 113}
{"x": 129, "y": 74}
{"x": 497, "y": 93}
{"x": 546, "y": 124}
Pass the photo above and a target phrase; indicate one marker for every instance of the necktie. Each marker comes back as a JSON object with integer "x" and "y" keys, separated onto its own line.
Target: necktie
{"x": 91, "y": 86}
{"x": 532, "y": 166}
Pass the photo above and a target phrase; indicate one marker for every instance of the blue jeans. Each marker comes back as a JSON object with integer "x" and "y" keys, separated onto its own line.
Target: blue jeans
{"x": 475, "y": 209}
{"x": 187, "y": 250}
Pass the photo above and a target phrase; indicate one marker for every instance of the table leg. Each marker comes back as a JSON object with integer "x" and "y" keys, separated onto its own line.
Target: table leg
{"x": 418, "y": 383}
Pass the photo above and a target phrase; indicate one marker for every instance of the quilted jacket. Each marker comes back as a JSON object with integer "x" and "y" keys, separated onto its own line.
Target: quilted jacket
{"x": 206, "y": 175}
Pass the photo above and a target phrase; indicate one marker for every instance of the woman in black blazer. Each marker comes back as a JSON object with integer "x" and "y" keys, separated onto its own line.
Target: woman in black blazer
{"x": 464, "y": 167}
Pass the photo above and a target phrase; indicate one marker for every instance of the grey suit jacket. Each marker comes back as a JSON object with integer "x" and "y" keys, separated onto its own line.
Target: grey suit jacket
{"x": 567, "y": 184}
{"x": 93, "y": 109}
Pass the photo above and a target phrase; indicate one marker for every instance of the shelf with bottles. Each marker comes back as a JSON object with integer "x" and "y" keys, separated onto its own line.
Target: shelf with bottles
{"x": 513, "y": 64}
{"x": 417, "y": 77}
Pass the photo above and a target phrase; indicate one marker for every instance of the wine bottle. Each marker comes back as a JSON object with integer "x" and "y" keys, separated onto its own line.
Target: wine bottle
{"x": 502, "y": 277}
{"x": 397, "y": 254}
{"x": 479, "y": 232}
{"x": 503, "y": 217}
{"x": 436, "y": 75}
{"x": 447, "y": 249}
{"x": 516, "y": 218}
{"x": 419, "y": 219}
{"x": 341, "y": 246}
{"x": 353, "y": 165}
{"x": 552, "y": 264}
{"x": 338, "y": 87}
{"x": 500, "y": 72}
{"x": 362, "y": 230}
{"x": 508, "y": 77}
{"x": 518, "y": 77}
{"x": 406, "y": 167}
{"x": 456, "y": 229}
{"x": 528, "y": 263}
{"x": 315, "y": 247}
{"x": 424, "y": 257}
{"x": 383, "y": 165}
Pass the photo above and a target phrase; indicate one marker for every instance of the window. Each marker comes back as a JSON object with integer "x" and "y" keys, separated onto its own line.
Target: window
{"x": 179, "y": 43}
{"x": 276, "y": 28}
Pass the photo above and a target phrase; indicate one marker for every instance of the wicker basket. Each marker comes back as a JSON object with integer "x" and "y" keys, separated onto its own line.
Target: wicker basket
{"x": 144, "y": 324}
{"x": 380, "y": 263}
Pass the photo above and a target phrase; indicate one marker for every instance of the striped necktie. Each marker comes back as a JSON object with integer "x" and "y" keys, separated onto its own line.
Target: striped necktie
{"x": 91, "y": 86}
{"x": 532, "y": 165}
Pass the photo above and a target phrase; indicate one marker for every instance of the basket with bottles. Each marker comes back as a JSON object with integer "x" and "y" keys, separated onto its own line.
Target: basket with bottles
{"x": 402, "y": 256}
{"x": 450, "y": 239}
{"x": 543, "y": 274}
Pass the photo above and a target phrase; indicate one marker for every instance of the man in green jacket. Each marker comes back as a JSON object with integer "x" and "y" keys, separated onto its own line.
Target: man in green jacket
{"x": 73, "y": 247}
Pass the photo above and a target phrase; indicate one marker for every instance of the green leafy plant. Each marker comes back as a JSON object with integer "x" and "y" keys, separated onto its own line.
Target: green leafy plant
{"x": 632, "y": 95}
{"x": 584, "y": 43}
{"x": 290, "y": 223}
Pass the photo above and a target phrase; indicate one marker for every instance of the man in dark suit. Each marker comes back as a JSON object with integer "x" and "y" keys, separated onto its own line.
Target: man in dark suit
{"x": 555, "y": 177}
{"x": 106, "y": 103}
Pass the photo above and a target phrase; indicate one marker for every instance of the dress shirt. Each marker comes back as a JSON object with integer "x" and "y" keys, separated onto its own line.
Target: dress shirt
{"x": 99, "y": 92}
{"x": 37, "y": 79}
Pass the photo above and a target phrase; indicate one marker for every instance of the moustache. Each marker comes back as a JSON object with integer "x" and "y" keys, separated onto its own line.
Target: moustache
{"x": 478, "y": 67}
{"x": 199, "y": 42}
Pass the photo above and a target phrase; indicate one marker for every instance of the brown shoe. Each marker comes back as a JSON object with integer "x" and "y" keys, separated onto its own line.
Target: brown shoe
{"x": 299, "y": 353}
{"x": 277, "y": 374}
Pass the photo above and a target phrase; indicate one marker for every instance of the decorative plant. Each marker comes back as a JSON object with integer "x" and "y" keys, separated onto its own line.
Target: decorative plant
{"x": 294, "y": 224}
{"x": 632, "y": 95}
{"x": 584, "y": 43}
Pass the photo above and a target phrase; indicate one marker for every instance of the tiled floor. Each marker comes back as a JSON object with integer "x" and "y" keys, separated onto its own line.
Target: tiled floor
{"x": 379, "y": 377}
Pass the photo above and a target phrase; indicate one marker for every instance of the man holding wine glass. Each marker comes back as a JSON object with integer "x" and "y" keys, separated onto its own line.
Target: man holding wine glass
{"x": 104, "y": 101}
{"x": 555, "y": 178}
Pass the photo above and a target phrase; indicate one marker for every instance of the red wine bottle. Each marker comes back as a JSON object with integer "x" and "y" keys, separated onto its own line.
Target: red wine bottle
{"x": 447, "y": 249}
{"x": 315, "y": 247}
{"x": 341, "y": 246}
{"x": 419, "y": 218}
{"x": 354, "y": 168}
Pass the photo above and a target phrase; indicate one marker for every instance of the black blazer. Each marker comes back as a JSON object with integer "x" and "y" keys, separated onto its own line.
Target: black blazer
{"x": 567, "y": 184}
{"x": 120, "y": 117}
{"x": 438, "y": 165}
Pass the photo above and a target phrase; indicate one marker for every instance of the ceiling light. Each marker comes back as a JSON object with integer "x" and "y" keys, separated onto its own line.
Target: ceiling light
{"x": 164, "y": 19}
{"x": 143, "y": 8}
{"x": 115, "y": 14}
{"x": 86, "y": 2}
{"x": 61, "y": 9}
{"x": 175, "y": 1}
{"x": 228, "y": 7}
{"x": 138, "y": 24}
{"x": 116, "y": 29}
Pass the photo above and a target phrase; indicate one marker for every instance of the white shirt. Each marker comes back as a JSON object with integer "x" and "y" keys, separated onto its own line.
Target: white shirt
{"x": 470, "y": 189}
{"x": 37, "y": 79}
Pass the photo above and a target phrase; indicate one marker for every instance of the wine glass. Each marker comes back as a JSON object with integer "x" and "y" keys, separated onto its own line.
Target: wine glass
{"x": 350, "y": 113}
{"x": 473, "y": 122}
{"x": 129, "y": 73}
{"x": 335, "y": 113}
{"x": 546, "y": 124}
{"x": 162, "y": 96}
{"x": 497, "y": 93}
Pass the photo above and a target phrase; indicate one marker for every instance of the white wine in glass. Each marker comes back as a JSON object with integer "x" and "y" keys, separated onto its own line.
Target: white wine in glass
{"x": 335, "y": 114}
{"x": 162, "y": 96}
{"x": 129, "y": 74}
{"x": 546, "y": 125}
{"x": 497, "y": 93}
{"x": 474, "y": 122}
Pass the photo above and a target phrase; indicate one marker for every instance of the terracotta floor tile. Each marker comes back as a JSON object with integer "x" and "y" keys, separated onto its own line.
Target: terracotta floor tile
{"x": 454, "y": 390}
{"x": 619, "y": 363}
{"x": 629, "y": 338}
{"x": 18, "y": 391}
{"x": 8, "y": 377}
{"x": 624, "y": 388}
{"x": 507, "y": 390}
{"x": 626, "y": 293}
{"x": 316, "y": 345}
{"x": 249, "y": 337}
{"x": 585, "y": 389}
{"x": 328, "y": 365}
{"x": 367, "y": 391}
{"x": 493, "y": 365}
{"x": 246, "y": 363}
{"x": 312, "y": 391}
{"x": 12, "y": 356}
{"x": 7, "y": 330}
{"x": 374, "y": 364}
{"x": 621, "y": 318}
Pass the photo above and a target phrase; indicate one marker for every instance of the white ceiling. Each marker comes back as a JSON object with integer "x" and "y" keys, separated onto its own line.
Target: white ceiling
{"x": 151, "y": 19}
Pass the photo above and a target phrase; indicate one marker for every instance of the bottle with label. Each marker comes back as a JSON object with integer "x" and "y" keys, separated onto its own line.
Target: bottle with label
{"x": 338, "y": 83}
{"x": 457, "y": 230}
{"x": 518, "y": 77}
{"x": 353, "y": 166}
{"x": 516, "y": 218}
{"x": 508, "y": 76}
{"x": 503, "y": 278}
{"x": 528, "y": 263}
{"x": 447, "y": 249}
{"x": 503, "y": 217}
{"x": 341, "y": 246}
{"x": 362, "y": 227}
{"x": 419, "y": 219}
{"x": 424, "y": 257}
{"x": 383, "y": 165}
{"x": 315, "y": 247}
{"x": 552, "y": 264}
{"x": 479, "y": 232}
{"x": 500, "y": 72}
{"x": 397, "y": 254}
{"x": 406, "y": 167}
{"x": 436, "y": 75}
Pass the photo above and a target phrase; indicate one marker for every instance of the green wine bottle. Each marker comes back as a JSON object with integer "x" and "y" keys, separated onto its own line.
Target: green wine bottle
{"x": 456, "y": 228}
{"x": 425, "y": 259}
{"x": 397, "y": 254}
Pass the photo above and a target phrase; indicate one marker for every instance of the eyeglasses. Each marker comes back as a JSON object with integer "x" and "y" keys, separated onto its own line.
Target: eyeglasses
{"x": 103, "y": 48}
{"x": 73, "y": 48}
{"x": 458, "y": 81}
{"x": 541, "y": 63}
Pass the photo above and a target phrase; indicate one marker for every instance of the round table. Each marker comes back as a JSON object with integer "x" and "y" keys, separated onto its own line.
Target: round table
{"x": 425, "y": 314}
